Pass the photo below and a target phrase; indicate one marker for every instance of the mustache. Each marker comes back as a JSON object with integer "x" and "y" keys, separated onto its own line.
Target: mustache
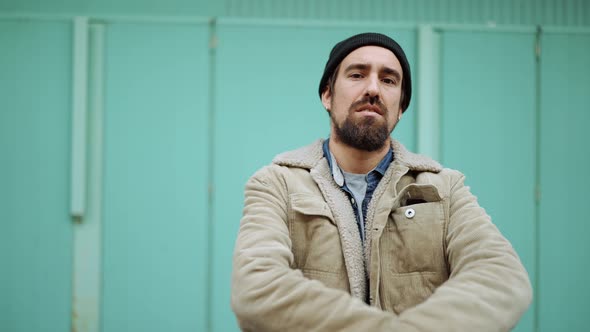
{"x": 366, "y": 101}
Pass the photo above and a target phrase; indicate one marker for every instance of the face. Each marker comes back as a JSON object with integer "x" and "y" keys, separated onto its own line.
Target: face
{"x": 364, "y": 105}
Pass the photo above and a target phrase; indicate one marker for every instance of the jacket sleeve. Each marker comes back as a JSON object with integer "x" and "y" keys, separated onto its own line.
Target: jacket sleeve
{"x": 267, "y": 294}
{"x": 488, "y": 288}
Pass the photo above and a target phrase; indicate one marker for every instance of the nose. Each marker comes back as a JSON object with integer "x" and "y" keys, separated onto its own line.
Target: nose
{"x": 372, "y": 89}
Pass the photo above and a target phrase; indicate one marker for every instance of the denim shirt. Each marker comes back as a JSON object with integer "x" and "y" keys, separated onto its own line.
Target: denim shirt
{"x": 372, "y": 178}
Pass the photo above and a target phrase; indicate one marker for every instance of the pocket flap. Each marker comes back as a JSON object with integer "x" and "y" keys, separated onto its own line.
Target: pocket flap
{"x": 310, "y": 205}
{"x": 419, "y": 193}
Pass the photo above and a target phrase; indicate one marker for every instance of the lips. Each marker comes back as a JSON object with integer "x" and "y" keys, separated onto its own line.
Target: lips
{"x": 370, "y": 108}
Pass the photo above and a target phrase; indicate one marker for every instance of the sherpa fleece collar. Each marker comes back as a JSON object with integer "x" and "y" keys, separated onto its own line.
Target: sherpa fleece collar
{"x": 308, "y": 157}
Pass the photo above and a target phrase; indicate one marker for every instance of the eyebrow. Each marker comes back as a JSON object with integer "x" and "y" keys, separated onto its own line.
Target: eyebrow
{"x": 393, "y": 72}
{"x": 364, "y": 66}
{"x": 357, "y": 66}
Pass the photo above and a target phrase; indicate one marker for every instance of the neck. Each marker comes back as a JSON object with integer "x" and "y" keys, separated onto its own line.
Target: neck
{"x": 356, "y": 161}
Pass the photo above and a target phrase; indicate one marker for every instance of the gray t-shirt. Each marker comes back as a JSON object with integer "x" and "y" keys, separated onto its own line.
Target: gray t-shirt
{"x": 357, "y": 184}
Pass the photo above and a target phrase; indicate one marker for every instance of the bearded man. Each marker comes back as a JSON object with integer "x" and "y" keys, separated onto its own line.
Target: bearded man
{"x": 355, "y": 233}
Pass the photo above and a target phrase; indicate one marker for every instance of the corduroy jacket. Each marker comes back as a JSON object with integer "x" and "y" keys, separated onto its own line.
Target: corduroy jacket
{"x": 432, "y": 260}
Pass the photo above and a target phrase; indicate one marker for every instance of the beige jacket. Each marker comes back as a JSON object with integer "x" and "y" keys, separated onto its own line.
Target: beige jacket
{"x": 434, "y": 260}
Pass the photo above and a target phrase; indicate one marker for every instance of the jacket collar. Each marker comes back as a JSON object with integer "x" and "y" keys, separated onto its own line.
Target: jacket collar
{"x": 309, "y": 156}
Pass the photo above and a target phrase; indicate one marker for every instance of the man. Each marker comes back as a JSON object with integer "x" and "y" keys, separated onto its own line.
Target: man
{"x": 356, "y": 233}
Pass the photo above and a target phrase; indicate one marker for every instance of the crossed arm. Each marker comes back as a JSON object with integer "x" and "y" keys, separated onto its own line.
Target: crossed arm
{"x": 488, "y": 289}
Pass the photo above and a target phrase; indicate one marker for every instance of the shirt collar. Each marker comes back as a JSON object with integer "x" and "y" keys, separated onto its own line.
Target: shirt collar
{"x": 384, "y": 163}
{"x": 337, "y": 172}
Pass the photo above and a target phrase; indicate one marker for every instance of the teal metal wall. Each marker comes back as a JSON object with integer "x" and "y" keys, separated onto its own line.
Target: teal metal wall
{"x": 512, "y": 12}
{"x": 155, "y": 239}
{"x": 35, "y": 228}
{"x": 563, "y": 227}
{"x": 181, "y": 111}
{"x": 488, "y": 131}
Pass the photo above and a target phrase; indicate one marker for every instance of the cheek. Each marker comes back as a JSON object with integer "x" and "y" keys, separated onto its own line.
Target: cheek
{"x": 394, "y": 109}
{"x": 394, "y": 101}
{"x": 340, "y": 106}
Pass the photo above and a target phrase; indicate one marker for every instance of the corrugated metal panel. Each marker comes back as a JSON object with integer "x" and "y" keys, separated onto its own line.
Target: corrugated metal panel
{"x": 568, "y": 13}
{"x": 527, "y": 12}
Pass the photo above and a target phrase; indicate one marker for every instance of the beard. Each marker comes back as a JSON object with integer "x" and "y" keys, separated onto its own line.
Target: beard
{"x": 365, "y": 133}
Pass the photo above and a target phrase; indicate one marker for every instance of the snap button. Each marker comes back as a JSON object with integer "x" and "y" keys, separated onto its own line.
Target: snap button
{"x": 352, "y": 201}
{"x": 410, "y": 213}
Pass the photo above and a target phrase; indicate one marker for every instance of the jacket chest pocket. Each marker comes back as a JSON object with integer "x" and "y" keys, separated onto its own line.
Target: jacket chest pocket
{"x": 412, "y": 240}
{"x": 315, "y": 239}
{"x": 412, "y": 255}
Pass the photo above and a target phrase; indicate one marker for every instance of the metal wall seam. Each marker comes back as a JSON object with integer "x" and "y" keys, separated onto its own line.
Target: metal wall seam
{"x": 213, "y": 42}
{"x": 537, "y": 193}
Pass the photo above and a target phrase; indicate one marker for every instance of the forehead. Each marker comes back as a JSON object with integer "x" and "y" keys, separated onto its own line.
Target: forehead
{"x": 375, "y": 56}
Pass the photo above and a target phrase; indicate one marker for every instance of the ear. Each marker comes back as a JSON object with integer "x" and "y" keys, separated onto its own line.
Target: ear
{"x": 399, "y": 114}
{"x": 327, "y": 99}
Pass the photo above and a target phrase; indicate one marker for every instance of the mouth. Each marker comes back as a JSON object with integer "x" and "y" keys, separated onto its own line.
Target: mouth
{"x": 369, "y": 110}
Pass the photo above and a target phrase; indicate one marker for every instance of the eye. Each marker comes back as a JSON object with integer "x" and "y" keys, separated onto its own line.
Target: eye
{"x": 355, "y": 75}
{"x": 389, "y": 81}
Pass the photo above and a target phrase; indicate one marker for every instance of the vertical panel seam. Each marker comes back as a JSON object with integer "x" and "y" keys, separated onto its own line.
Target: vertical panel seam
{"x": 210, "y": 172}
{"x": 98, "y": 53}
{"x": 537, "y": 193}
{"x": 441, "y": 95}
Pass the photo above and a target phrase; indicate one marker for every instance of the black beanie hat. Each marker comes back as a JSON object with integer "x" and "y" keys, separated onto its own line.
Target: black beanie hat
{"x": 343, "y": 48}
